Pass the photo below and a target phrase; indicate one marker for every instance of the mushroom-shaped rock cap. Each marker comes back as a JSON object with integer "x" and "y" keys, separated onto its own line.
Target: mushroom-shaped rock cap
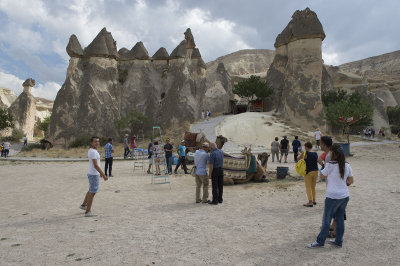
{"x": 179, "y": 51}
{"x": 161, "y": 54}
{"x": 123, "y": 53}
{"x": 139, "y": 51}
{"x": 74, "y": 48}
{"x": 196, "y": 53}
{"x": 190, "y": 44}
{"x": 103, "y": 45}
{"x": 304, "y": 25}
{"x": 29, "y": 82}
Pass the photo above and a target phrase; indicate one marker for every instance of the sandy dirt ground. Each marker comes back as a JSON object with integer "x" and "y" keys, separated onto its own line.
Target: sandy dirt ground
{"x": 257, "y": 224}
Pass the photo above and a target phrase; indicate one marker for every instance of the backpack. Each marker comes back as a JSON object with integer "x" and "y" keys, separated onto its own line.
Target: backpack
{"x": 301, "y": 167}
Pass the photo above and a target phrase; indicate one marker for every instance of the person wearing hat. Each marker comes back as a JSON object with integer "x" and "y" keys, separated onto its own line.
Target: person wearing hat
{"x": 182, "y": 157}
{"x": 200, "y": 161}
{"x": 126, "y": 146}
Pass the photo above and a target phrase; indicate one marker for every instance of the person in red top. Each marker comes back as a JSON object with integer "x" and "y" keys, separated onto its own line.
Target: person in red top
{"x": 133, "y": 145}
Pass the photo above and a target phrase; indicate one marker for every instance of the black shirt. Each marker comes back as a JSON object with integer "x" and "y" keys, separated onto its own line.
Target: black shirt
{"x": 311, "y": 161}
{"x": 168, "y": 153}
{"x": 284, "y": 144}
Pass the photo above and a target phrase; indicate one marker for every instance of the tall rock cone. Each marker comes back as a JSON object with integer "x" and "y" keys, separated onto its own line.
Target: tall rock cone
{"x": 297, "y": 72}
{"x": 102, "y": 46}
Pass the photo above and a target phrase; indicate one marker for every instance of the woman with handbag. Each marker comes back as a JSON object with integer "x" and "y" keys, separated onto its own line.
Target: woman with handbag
{"x": 310, "y": 179}
{"x": 339, "y": 176}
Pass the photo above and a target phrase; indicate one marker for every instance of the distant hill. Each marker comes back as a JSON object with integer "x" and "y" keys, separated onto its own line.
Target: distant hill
{"x": 7, "y": 97}
{"x": 382, "y": 67}
{"x": 245, "y": 62}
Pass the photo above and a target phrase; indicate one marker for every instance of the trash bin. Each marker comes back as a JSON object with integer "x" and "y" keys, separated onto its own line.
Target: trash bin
{"x": 281, "y": 172}
{"x": 346, "y": 148}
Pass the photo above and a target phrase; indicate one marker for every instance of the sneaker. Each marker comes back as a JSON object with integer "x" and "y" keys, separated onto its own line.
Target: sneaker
{"x": 82, "y": 207}
{"x": 213, "y": 203}
{"x": 89, "y": 214}
{"x": 111, "y": 176}
{"x": 198, "y": 201}
{"x": 333, "y": 243}
{"x": 207, "y": 201}
{"x": 314, "y": 244}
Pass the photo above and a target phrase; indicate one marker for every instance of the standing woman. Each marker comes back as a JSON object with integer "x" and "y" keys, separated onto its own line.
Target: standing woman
{"x": 310, "y": 179}
{"x": 339, "y": 176}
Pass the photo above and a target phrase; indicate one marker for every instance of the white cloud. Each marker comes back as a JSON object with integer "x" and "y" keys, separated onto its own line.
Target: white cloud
{"x": 11, "y": 82}
{"x": 48, "y": 90}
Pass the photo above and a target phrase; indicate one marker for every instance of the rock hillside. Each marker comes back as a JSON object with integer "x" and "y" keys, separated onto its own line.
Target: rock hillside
{"x": 103, "y": 84}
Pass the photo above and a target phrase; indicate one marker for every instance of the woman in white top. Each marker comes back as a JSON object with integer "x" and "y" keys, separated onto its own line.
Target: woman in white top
{"x": 339, "y": 176}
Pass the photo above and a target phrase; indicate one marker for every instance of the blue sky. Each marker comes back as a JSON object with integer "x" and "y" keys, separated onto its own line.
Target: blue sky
{"x": 34, "y": 34}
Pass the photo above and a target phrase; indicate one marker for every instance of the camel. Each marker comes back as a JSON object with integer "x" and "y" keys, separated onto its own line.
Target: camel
{"x": 257, "y": 176}
{"x": 194, "y": 141}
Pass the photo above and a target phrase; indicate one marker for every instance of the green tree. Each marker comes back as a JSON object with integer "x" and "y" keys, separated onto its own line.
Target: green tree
{"x": 347, "y": 110}
{"x": 133, "y": 121}
{"x": 252, "y": 88}
{"x": 6, "y": 119}
{"x": 394, "y": 118}
{"x": 44, "y": 125}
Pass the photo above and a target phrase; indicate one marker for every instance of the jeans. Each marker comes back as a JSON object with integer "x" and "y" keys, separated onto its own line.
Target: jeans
{"x": 126, "y": 152}
{"x": 333, "y": 208}
{"x": 169, "y": 164}
{"x": 182, "y": 160}
{"x": 217, "y": 181}
{"x": 108, "y": 164}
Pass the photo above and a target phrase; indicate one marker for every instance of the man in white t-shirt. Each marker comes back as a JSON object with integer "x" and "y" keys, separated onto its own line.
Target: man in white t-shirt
{"x": 94, "y": 173}
{"x": 317, "y": 135}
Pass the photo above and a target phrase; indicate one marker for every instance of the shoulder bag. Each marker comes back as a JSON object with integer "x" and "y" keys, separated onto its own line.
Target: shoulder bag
{"x": 193, "y": 170}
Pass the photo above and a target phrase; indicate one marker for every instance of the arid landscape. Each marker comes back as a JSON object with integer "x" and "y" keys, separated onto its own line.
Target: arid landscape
{"x": 257, "y": 224}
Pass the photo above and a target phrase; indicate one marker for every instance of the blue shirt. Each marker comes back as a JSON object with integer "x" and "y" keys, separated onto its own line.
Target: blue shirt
{"x": 182, "y": 150}
{"x": 296, "y": 144}
{"x": 200, "y": 159}
{"x": 108, "y": 150}
{"x": 216, "y": 158}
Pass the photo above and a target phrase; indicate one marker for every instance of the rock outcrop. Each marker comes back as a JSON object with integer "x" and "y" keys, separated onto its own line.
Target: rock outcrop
{"x": 104, "y": 85}
{"x": 23, "y": 109}
{"x": 7, "y": 97}
{"x": 297, "y": 72}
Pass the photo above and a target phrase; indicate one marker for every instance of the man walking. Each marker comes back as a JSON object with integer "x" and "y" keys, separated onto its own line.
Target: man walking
{"x": 275, "y": 149}
{"x": 216, "y": 174}
{"x": 126, "y": 146}
{"x": 94, "y": 173}
{"x": 284, "y": 147}
{"x": 317, "y": 135}
{"x": 168, "y": 155}
{"x": 182, "y": 157}
{"x": 108, "y": 151}
{"x": 150, "y": 157}
{"x": 296, "y": 144}
{"x": 6, "y": 148}
{"x": 200, "y": 161}
{"x": 25, "y": 139}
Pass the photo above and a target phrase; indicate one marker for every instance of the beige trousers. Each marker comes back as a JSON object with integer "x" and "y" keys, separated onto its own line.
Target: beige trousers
{"x": 202, "y": 180}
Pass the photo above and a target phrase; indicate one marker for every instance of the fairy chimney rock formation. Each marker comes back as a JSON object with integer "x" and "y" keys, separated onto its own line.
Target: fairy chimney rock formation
{"x": 23, "y": 109}
{"x": 161, "y": 54}
{"x": 74, "y": 48}
{"x": 297, "y": 73}
{"x": 103, "y": 85}
{"x": 102, "y": 46}
{"x": 139, "y": 52}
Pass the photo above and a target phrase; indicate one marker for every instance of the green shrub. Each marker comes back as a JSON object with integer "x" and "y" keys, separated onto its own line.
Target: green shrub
{"x": 17, "y": 134}
{"x": 395, "y": 129}
{"x": 85, "y": 142}
{"x": 32, "y": 147}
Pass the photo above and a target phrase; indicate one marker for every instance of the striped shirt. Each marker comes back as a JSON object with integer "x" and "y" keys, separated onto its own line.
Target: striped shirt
{"x": 108, "y": 150}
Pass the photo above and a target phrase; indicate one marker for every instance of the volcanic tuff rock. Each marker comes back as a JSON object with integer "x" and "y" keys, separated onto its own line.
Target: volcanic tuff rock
{"x": 23, "y": 109}
{"x": 7, "y": 97}
{"x": 297, "y": 72}
{"x": 101, "y": 87}
{"x": 74, "y": 47}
